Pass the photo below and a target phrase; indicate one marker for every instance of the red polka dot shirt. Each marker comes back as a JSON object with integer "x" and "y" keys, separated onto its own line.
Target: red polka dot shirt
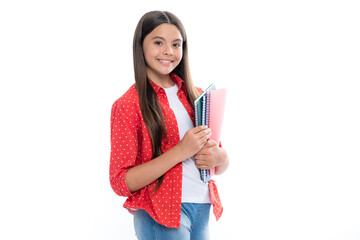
{"x": 131, "y": 146}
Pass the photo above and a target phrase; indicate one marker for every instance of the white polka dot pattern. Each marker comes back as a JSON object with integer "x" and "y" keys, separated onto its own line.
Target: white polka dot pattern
{"x": 131, "y": 146}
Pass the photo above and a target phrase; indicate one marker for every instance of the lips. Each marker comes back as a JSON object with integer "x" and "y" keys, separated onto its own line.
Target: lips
{"x": 165, "y": 62}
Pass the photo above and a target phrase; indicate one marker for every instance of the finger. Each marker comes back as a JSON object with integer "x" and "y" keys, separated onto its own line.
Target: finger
{"x": 199, "y": 157}
{"x": 205, "y": 138}
{"x": 210, "y": 143}
{"x": 199, "y": 128}
{"x": 202, "y": 166}
{"x": 203, "y": 133}
{"x": 199, "y": 163}
{"x": 202, "y": 161}
{"x": 203, "y": 151}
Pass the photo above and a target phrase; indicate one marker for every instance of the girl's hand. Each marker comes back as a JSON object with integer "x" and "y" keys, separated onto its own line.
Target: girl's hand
{"x": 193, "y": 141}
{"x": 211, "y": 156}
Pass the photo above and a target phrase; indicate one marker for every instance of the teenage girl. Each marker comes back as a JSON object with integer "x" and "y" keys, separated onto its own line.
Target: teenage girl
{"x": 155, "y": 149}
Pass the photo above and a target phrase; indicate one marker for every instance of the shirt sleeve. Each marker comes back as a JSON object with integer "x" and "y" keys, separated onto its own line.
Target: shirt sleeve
{"x": 124, "y": 145}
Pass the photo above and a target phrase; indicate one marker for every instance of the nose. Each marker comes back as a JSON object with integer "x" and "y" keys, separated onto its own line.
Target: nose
{"x": 168, "y": 50}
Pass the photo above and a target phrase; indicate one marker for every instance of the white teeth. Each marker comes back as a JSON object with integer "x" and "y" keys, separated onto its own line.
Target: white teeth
{"x": 165, "y": 61}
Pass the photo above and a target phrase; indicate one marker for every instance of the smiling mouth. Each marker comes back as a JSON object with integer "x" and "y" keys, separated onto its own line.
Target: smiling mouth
{"x": 165, "y": 62}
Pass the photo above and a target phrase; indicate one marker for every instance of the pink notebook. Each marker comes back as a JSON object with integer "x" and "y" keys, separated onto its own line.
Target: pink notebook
{"x": 216, "y": 112}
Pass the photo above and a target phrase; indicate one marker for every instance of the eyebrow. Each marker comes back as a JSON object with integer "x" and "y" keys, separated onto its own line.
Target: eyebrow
{"x": 176, "y": 40}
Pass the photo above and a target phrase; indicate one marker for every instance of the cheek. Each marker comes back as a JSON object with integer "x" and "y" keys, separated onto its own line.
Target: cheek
{"x": 149, "y": 52}
{"x": 179, "y": 55}
{"x": 149, "y": 56}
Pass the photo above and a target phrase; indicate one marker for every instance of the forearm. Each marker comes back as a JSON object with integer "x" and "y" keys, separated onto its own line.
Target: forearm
{"x": 142, "y": 175}
{"x": 146, "y": 173}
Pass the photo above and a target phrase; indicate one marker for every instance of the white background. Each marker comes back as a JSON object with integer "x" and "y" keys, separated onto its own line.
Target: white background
{"x": 291, "y": 125}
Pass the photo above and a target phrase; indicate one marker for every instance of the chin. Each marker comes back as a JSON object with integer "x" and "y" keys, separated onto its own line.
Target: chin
{"x": 166, "y": 72}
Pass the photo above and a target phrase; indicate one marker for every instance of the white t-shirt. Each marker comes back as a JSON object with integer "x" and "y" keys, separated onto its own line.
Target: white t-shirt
{"x": 194, "y": 190}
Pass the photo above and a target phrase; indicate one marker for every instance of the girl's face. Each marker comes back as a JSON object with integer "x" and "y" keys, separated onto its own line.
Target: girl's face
{"x": 162, "y": 51}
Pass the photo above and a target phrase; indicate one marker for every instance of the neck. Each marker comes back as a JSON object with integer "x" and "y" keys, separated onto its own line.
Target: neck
{"x": 162, "y": 81}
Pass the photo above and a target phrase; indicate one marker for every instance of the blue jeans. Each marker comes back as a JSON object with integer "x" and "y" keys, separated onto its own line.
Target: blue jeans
{"x": 194, "y": 224}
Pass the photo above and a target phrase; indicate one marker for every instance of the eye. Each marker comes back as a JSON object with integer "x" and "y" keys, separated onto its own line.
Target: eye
{"x": 158, "y": 43}
{"x": 176, "y": 45}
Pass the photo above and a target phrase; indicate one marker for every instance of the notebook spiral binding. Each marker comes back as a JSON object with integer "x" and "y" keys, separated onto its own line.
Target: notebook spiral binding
{"x": 207, "y": 117}
{"x": 205, "y": 173}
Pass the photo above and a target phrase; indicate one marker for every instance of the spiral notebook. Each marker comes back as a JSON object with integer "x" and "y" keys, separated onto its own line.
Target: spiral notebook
{"x": 209, "y": 111}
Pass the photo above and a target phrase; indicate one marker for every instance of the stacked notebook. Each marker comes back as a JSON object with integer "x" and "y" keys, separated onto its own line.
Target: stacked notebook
{"x": 209, "y": 111}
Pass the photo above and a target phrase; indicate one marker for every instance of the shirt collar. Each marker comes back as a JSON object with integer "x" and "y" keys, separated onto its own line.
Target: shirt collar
{"x": 177, "y": 80}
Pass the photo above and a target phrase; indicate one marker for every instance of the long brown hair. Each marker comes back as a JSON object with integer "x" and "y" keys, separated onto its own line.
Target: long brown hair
{"x": 149, "y": 104}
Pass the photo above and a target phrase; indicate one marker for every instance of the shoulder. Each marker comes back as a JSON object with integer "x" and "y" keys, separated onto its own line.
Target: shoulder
{"x": 130, "y": 97}
{"x": 128, "y": 102}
